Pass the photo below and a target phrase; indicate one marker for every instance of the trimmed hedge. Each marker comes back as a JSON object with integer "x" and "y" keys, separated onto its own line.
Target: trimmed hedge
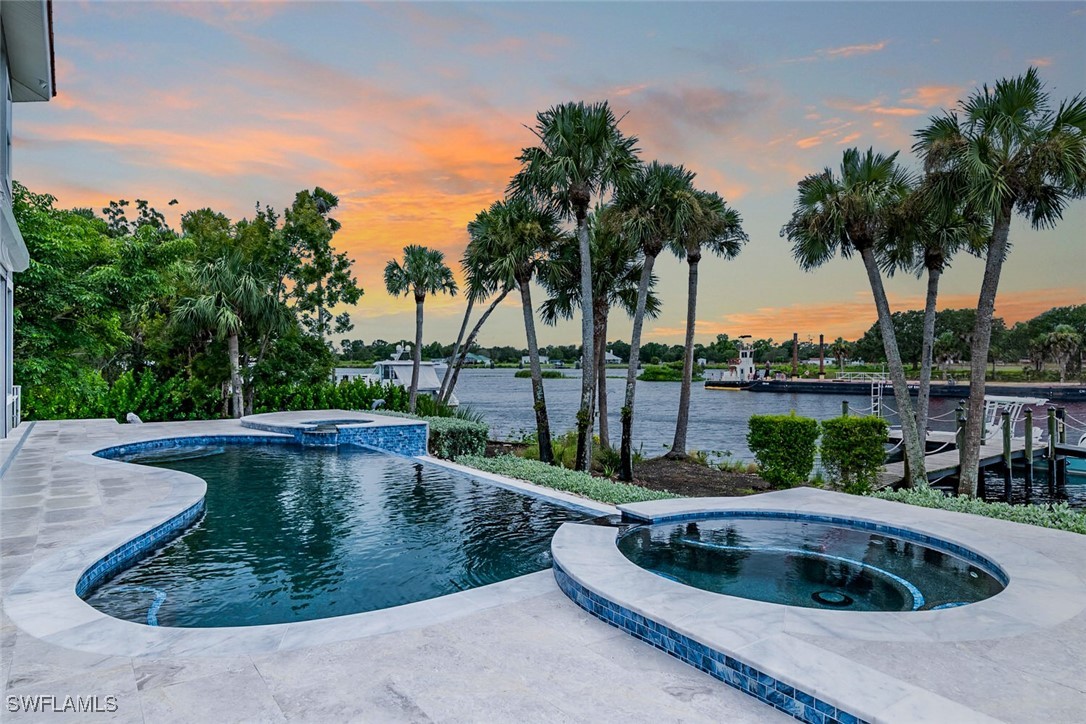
{"x": 784, "y": 446}
{"x": 1059, "y": 516}
{"x": 570, "y": 481}
{"x": 853, "y": 451}
{"x": 451, "y": 437}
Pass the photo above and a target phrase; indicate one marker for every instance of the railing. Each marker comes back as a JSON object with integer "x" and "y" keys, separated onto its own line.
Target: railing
{"x": 864, "y": 377}
{"x": 14, "y": 407}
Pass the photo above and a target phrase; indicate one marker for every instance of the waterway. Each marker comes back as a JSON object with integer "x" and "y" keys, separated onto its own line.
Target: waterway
{"x": 718, "y": 418}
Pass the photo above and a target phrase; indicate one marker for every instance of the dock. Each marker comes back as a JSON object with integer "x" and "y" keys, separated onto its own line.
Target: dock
{"x": 943, "y": 463}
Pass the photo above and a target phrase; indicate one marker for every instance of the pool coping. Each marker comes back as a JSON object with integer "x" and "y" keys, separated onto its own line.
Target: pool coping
{"x": 774, "y": 641}
{"x": 43, "y": 601}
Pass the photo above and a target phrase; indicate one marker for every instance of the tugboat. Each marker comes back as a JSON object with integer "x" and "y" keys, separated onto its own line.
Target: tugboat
{"x": 740, "y": 376}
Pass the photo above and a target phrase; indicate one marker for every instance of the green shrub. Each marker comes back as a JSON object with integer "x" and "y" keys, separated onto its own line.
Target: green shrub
{"x": 451, "y": 437}
{"x": 784, "y": 446}
{"x": 1058, "y": 516}
{"x": 667, "y": 372}
{"x": 546, "y": 374}
{"x": 853, "y": 451}
{"x": 570, "y": 481}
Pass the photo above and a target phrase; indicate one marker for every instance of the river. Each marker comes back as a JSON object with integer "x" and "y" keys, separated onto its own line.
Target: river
{"x": 718, "y": 418}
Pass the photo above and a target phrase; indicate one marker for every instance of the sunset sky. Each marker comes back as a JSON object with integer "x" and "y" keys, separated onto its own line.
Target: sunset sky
{"x": 413, "y": 114}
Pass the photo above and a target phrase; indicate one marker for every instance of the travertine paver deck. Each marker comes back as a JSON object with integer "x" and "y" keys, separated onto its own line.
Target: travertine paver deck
{"x": 529, "y": 655}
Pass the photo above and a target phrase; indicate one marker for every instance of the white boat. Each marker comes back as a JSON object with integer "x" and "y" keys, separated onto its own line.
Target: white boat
{"x": 996, "y": 405}
{"x": 398, "y": 372}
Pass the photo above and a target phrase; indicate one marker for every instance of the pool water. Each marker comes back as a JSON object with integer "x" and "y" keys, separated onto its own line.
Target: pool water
{"x": 293, "y": 534}
{"x": 807, "y": 563}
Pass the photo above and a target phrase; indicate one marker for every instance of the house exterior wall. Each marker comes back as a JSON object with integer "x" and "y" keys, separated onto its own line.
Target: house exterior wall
{"x": 6, "y": 287}
{"x": 26, "y": 74}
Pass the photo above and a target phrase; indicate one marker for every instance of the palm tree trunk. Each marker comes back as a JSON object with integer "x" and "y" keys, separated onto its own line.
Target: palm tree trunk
{"x": 235, "y": 374}
{"x": 982, "y": 338}
{"x": 924, "y": 398}
{"x": 914, "y": 453}
{"x": 416, "y": 355}
{"x": 456, "y": 348}
{"x": 539, "y": 402}
{"x": 588, "y": 367}
{"x": 682, "y": 420}
{"x": 626, "y": 452}
{"x": 470, "y": 341}
{"x": 601, "y": 373}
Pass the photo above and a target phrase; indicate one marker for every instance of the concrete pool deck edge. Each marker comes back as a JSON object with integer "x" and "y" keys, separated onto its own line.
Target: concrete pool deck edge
{"x": 43, "y": 600}
{"x": 1043, "y": 596}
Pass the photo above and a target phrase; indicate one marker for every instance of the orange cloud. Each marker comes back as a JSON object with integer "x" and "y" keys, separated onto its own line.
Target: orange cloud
{"x": 851, "y": 318}
{"x": 849, "y": 138}
{"x": 809, "y": 142}
{"x": 934, "y": 96}
{"x": 1040, "y": 62}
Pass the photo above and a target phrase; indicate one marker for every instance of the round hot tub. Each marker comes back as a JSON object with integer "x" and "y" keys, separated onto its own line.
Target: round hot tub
{"x": 826, "y": 564}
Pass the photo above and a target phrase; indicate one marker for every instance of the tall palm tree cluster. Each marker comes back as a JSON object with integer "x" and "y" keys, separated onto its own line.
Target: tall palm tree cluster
{"x": 1003, "y": 151}
{"x": 585, "y": 219}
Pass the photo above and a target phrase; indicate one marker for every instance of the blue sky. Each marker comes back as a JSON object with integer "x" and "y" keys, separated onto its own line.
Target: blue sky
{"x": 413, "y": 114}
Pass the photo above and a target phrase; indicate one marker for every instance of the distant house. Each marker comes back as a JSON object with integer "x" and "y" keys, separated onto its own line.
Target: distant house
{"x": 611, "y": 358}
{"x": 527, "y": 360}
{"x": 26, "y": 67}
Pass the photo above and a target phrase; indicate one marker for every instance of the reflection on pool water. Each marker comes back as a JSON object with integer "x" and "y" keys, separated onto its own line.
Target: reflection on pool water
{"x": 292, "y": 535}
{"x": 807, "y": 563}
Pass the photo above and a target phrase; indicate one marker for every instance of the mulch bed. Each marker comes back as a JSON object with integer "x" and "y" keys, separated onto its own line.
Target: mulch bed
{"x": 689, "y": 479}
{"x": 682, "y": 477}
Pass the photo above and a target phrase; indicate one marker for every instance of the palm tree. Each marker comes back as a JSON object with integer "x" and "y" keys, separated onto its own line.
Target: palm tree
{"x": 616, "y": 274}
{"x": 230, "y": 298}
{"x": 1062, "y": 343}
{"x": 848, "y": 214}
{"x": 716, "y": 228}
{"x": 422, "y": 272}
{"x": 652, "y": 209}
{"x": 840, "y": 349}
{"x": 931, "y": 226}
{"x": 1010, "y": 153}
{"x": 581, "y": 152}
{"x": 508, "y": 242}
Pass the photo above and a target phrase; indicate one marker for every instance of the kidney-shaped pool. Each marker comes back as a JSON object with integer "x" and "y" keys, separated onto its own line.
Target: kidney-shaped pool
{"x": 293, "y": 534}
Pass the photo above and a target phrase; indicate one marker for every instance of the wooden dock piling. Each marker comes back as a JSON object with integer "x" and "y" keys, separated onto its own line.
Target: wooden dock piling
{"x": 1007, "y": 456}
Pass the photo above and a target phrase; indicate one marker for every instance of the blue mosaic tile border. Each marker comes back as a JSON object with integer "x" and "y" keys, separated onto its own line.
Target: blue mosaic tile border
{"x": 121, "y": 451}
{"x": 124, "y": 556}
{"x": 404, "y": 439}
{"x": 940, "y": 544}
{"x": 781, "y": 696}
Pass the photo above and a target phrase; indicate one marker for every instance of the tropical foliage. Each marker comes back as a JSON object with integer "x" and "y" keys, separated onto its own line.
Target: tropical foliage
{"x": 423, "y": 271}
{"x": 199, "y": 319}
{"x": 854, "y": 212}
{"x": 1006, "y": 151}
{"x": 580, "y": 154}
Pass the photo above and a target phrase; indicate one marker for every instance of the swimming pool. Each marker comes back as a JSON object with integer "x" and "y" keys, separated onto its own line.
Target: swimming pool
{"x": 294, "y": 534}
{"x": 808, "y": 563}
